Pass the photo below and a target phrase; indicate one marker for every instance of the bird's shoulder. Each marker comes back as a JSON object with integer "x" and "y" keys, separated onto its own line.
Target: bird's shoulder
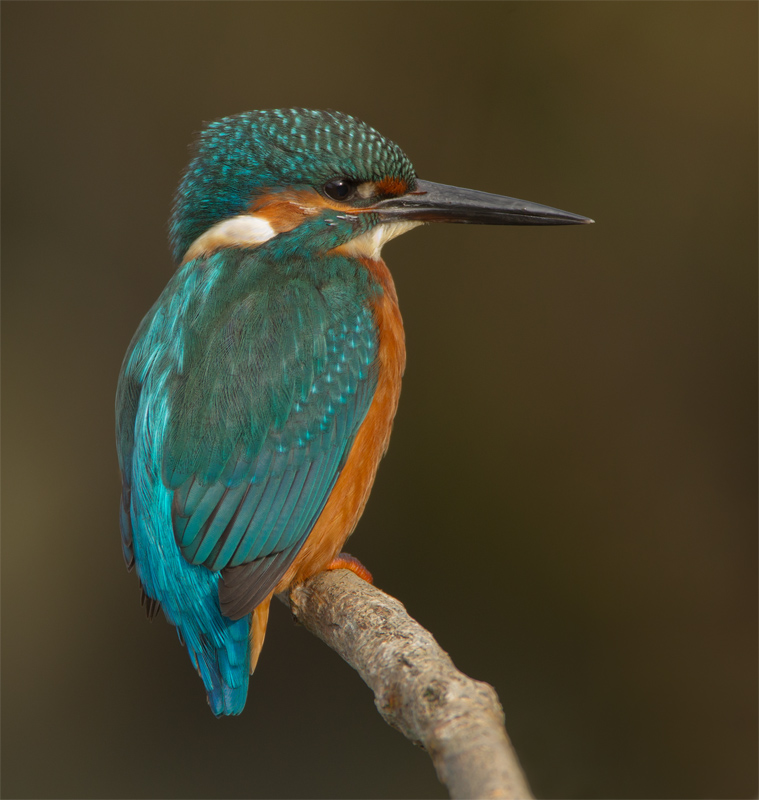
{"x": 240, "y": 344}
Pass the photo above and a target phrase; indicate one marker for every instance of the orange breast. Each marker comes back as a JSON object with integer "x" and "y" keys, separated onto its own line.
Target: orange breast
{"x": 346, "y": 503}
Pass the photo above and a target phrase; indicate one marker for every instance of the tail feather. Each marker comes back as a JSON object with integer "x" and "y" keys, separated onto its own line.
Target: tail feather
{"x": 224, "y": 669}
{"x": 233, "y": 659}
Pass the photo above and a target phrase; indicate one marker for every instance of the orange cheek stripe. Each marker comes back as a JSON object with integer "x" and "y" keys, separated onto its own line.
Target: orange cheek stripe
{"x": 351, "y": 491}
{"x": 285, "y": 210}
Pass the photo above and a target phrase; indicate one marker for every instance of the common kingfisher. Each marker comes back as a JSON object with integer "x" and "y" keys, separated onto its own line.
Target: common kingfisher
{"x": 257, "y": 396}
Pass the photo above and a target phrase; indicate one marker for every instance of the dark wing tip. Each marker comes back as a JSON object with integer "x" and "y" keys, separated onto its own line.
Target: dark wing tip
{"x": 152, "y": 606}
{"x": 243, "y": 588}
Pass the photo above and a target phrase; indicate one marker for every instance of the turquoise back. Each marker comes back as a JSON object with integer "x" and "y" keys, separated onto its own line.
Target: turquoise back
{"x": 238, "y": 402}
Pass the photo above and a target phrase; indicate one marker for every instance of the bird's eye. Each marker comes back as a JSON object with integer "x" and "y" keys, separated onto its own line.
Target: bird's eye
{"x": 340, "y": 189}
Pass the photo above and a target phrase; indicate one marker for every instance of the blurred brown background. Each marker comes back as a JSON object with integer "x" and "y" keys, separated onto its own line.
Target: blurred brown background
{"x": 569, "y": 502}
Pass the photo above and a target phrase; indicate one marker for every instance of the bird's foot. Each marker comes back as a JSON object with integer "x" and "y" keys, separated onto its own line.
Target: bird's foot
{"x": 346, "y": 561}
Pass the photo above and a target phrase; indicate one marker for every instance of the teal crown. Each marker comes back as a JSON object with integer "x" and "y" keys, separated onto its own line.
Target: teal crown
{"x": 240, "y": 156}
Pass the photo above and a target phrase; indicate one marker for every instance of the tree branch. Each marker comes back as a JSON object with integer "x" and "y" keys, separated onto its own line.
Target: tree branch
{"x": 417, "y": 689}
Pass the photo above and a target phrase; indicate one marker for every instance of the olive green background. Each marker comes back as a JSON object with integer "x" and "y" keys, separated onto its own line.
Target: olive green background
{"x": 569, "y": 501}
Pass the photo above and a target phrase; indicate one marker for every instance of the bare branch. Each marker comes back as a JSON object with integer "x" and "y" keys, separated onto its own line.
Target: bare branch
{"x": 417, "y": 689}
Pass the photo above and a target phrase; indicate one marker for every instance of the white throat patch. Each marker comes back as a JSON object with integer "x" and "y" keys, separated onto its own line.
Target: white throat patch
{"x": 369, "y": 244}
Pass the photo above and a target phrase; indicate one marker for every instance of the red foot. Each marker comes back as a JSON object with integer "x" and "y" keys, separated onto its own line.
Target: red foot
{"x": 346, "y": 561}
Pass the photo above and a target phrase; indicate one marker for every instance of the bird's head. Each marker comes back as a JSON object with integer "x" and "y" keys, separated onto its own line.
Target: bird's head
{"x": 320, "y": 180}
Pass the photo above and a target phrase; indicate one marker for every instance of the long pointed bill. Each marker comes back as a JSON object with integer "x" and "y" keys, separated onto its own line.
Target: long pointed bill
{"x": 436, "y": 202}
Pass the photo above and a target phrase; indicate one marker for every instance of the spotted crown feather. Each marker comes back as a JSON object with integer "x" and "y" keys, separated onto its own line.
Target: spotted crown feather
{"x": 238, "y": 156}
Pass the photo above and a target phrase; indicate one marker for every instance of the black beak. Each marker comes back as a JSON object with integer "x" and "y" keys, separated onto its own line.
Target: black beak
{"x": 436, "y": 202}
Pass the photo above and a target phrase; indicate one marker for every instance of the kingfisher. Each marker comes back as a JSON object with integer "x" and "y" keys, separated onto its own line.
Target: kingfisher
{"x": 257, "y": 396}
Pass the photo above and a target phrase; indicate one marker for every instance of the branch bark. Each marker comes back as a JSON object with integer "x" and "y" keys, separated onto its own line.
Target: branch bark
{"x": 417, "y": 689}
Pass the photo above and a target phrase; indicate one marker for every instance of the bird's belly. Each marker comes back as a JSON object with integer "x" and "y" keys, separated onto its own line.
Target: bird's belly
{"x": 351, "y": 491}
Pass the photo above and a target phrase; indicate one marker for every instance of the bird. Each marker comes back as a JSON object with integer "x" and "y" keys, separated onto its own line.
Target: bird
{"x": 257, "y": 396}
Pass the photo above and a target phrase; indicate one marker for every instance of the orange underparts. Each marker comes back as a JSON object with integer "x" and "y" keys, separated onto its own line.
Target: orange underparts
{"x": 351, "y": 491}
{"x": 258, "y": 621}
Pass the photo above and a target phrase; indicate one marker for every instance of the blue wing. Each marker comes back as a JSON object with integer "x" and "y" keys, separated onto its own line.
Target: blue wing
{"x": 238, "y": 402}
{"x": 263, "y": 378}
{"x": 252, "y": 519}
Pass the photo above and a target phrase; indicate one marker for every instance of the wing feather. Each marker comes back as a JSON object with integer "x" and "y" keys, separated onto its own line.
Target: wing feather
{"x": 198, "y": 518}
{"x": 272, "y": 391}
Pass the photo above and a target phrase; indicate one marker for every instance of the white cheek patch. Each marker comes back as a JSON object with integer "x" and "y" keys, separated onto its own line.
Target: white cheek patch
{"x": 246, "y": 230}
{"x": 369, "y": 244}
